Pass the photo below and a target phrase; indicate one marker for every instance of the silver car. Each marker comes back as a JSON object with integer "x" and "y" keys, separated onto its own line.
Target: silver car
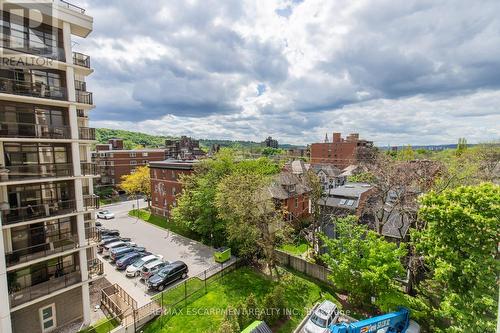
{"x": 325, "y": 315}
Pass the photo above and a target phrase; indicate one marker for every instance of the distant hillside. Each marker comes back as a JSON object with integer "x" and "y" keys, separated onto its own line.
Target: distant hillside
{"x": 134, "y": 140}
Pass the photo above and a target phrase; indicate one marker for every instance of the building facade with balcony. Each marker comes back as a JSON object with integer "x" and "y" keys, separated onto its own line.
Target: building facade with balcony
{"x": 47, "y": 248}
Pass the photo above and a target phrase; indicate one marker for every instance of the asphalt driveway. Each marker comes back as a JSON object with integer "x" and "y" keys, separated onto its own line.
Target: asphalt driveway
{"x": 171, "y": 246}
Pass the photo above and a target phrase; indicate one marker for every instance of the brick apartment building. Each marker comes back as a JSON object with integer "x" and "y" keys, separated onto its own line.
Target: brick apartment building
{"x": 113, "y": 161}
{"x": 184, "y": 148}
{"x": 340, "y": 152}
{"x": 165, "y": 183}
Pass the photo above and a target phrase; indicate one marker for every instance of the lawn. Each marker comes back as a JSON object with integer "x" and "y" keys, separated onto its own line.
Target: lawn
{"x": 297, "y": 248}
{"x": 104, "y": 325}
{"x": 204, "y": 314}
{"x": 162, "y": 222}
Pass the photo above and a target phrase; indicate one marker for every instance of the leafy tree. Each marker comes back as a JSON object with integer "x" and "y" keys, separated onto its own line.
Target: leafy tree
{"x": 316, "y": 195}
{"x": 460, "y": 248}
{"x": 254, "y": 221}
{"x": 364, "y": 264}
{"x": 138, "y": 182}
{"x": 406, "y": 154}
{"x": 196, "y": 205}
{"x": 230, "y": 322}
{"x": 363, "y": 177}
{"x": 274, "y": 305}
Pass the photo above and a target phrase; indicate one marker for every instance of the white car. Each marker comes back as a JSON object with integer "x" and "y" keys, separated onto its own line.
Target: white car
{"x": 105, "y": 214}
{"x": 107, "y": 248}
{"x": 325, "y": 315}
{"x": 135, "y": 269}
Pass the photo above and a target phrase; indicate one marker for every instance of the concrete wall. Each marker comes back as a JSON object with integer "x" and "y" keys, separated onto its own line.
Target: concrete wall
{"x": 68, "y": 308}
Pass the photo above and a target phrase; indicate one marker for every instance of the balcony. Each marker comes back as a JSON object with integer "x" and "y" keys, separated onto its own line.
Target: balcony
{"x": 32, "y": 89}
{"x": 48, "y": 208}
{"x": 20, "y": 45}
{"x": 92, "y": 235}
{"x": 20, "y": 296}
{"x": 86, "y": 133}
{"x": 81, "y": 114}
{"x": 89, "y": 169}
{"x": 81, "y": 59}
{"x": 95, "y": 268}
{"x": 84, "y": 97}
{"x": 91, "y": 201}
{"x": 26, "y": 130}
{"x": 35, "y": 171}
{"x": 80, "y": 85}
{"x": 65, "y": 242}
{"x": 68, "y": 5}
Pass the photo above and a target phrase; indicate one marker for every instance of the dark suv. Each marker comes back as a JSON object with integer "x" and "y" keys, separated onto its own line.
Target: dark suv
{"x": 168, "y": 274}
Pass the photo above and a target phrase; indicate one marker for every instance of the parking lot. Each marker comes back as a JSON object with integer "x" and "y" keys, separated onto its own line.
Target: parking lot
{"x": 172, "y": 247}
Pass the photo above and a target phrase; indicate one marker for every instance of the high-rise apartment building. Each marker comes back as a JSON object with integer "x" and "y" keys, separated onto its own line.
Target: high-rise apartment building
{"x": 47, "y": 248}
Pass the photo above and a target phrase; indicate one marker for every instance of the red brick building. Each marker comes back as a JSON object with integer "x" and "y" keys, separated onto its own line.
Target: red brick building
{"x": 293, "y": 195}
{"x": 113, "y": 161}
{"x": 340, "y": 152}
{"x": 165, "y": 183}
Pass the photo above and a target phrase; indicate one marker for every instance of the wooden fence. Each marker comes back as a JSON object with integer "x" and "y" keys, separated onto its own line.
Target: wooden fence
{"x": 313, "y": 270}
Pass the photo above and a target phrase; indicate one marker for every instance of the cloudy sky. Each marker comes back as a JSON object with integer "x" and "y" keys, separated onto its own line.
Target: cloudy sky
{"x": 397, "y": 72}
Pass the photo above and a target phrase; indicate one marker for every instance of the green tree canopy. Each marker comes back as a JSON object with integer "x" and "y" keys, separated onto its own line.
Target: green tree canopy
{"x": 364, "y": 264}
{"x": 460, "y": 248}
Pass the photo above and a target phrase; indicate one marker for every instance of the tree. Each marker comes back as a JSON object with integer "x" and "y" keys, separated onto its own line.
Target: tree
{"x": 230, "y": 322}
{"x": 459, "y": 245}
{"x": 254, "y": 221}
{"x": 397, "y": 185}
{"x": 364, "y": 264}
{"x": 138, "y": 182}
{"x": 196, "y": 207}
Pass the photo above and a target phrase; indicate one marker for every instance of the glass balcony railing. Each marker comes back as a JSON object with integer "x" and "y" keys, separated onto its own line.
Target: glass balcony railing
{"x": 35, "y": 171}
{"x": 91, "y": 201}
{"x": 33, "y": 89}
{"x": 86, "y": 133}
{"x": 84, "y": 97}
{"x": 89, "y": 169}
{"x": 65, "y": 242}
{"x": 26, "y": 130}
{"x": 47, "y": 208}
{"x": 18, "y": 296}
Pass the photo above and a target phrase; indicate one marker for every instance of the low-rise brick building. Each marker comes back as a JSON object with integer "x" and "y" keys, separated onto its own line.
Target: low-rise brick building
{"x": 165, "y": 183}
{"x": 292, "y": 194}
{"x": 113, "y": 161}
{"x": 340, "y": 152}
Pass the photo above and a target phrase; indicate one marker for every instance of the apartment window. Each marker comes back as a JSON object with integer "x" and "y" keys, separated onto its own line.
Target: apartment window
{"x": 145, "y": 162}
{"x": 132, "y": 154}
{"x": 111, "y": 155}
{"x": 173, "y": 190}
{"x": 350, "y": 202}
{"x": 144, "y": 154}
{"x": 173, "y": 174}
{"x": 133, "y": 162}
{"x": 48, "y": 317}
{"x": 296, "y": 202}
{"x": 342, "y": 201}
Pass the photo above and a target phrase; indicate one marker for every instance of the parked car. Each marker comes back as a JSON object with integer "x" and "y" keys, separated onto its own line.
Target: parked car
{"x": 168, "y": 274}
{"x": 110, "y": 232}
{"x": 129, "y": 259}
{"x": 106, "y": 240}
{"x": 98, "y": 224}
{"x": 135, "y": 268}
{"x": 108, "y": 247}
{"x": 117, "y": 253}
{"x": 105, "y": 214}
{"x": 150, "y": 269}
{"x": 326, "y": 314}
